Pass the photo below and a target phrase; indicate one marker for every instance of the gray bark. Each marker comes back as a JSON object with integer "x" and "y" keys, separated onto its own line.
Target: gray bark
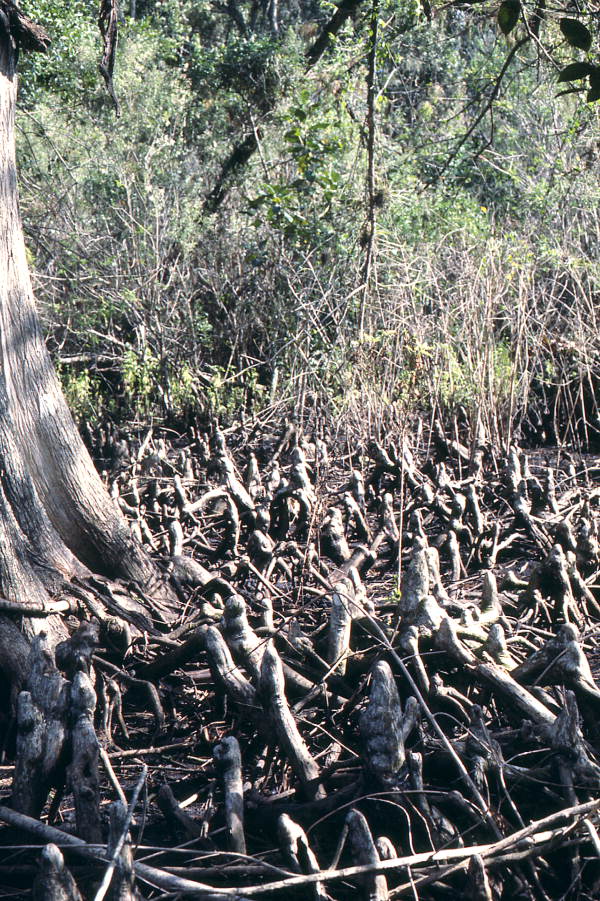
{"x": 54, "y": 882}
{"x": 56, "y": 518}
{"x": 228, "y": 762}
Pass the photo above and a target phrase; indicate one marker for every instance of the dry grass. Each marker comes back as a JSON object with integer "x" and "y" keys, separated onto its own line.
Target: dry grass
{"x": 510, "y": 345}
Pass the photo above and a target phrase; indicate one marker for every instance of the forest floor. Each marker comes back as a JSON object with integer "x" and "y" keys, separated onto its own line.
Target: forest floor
{"x": 380, "y": 682}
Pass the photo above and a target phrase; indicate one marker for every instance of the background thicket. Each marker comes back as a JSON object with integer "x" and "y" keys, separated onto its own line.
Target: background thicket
{"x": 391, "y": 246}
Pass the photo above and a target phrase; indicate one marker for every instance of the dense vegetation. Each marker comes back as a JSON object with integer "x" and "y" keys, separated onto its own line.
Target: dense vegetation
{"x": 385, "y": 229}
{"x": 304, "y": 222}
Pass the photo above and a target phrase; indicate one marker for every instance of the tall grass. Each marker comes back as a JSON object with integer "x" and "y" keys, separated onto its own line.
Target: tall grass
{"x": 507, "y": 338}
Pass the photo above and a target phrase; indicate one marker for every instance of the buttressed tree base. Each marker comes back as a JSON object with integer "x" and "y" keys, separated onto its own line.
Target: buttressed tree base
{"x": 57, "y": 521}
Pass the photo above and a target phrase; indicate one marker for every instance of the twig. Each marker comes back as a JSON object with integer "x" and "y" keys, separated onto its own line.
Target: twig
{"x": 537, "y": 832}
{"x": 103, "y": 887}
{"x": 112, "y": 775}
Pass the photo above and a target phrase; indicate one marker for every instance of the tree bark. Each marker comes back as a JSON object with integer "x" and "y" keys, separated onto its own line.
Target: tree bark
{"x": 56, "y": 518}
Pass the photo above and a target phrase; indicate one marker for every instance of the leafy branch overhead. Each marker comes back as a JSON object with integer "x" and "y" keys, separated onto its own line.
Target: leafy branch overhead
{"x": 574, "y": 32}
{"x": 578, "y": 35}
{"x": 579, "y": 72}
{"x": 508, "y": 15}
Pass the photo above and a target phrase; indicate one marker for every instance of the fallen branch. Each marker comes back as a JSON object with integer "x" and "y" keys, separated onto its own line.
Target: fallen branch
{"x": 536, "y": 834}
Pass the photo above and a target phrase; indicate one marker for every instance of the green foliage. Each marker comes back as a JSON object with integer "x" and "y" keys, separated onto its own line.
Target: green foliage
{"x": 183, "y": 390}
{"x": 579, "y": 71}
{"x": 304, "y": 206}
{"x": 82, "y": 392}
{"x": 69, "y": 69}
{"x": 229, "y": 392}
{"x": 576, "y": 34}
{"x": 576, "y": 71}
{"x": 594, "y": 92}
{"x": 482, "y": 215}
{"x": 248, "y": 68}
{"x": 139, "y": 379}
{"x": 508, "y": 15}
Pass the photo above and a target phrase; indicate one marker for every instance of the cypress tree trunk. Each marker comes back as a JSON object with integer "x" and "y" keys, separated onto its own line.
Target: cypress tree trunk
{"x": 56, "y": 518}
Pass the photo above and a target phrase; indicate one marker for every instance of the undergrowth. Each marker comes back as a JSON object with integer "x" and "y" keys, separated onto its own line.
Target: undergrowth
{"x": 480, "y": 300}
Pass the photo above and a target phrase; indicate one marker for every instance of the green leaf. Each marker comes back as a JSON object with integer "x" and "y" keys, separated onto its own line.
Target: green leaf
{"x": 576, "y": 34}
{"x": 569, "y": 91}
{"x": 508, "y": 15}
{"x": 594, "y": 91}
{"x": 575, "y": 71}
